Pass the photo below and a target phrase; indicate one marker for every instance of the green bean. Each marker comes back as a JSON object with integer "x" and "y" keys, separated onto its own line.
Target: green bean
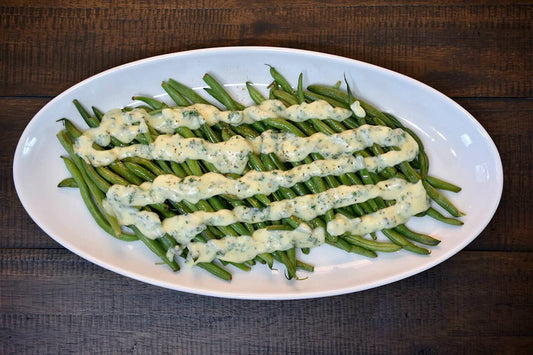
{"x": 153, "y": 113}
{"x": 214, "y": 138}
{"x": 178, "y": 98}
{"x": 314, "y": 97}
{"x": 216, "y": 95}
{"x": 371, "y": 244}
{"x": 417, "y": 237}
{"x": 321, "y": 126}
{"x": 148, "y": 164}
{"x": 336, "y": 126}
{"x": 424, "y": 163}
{"x": 340, "y": 95}
{"x": 282, "y": 257}
{"x": 185, "y": 207}
{"x": 156, "y": 248}
{"x": 328, "y": 91}
{"x": 245, "y": 131}
{"x": 140, "y": 171}
{"x": 217, "y": 205}
{"x": 388, "y": 172}
{"x": 422, "y": 156}
{"x": 300, "y": 265}
{"x": 397, "y": 238}
{"x": 234, "y": 203}
{"x": 216, "y": 270}
{"x": 300, "y": 90}
{"x": 441, "y": 184}
{"x": 67, "y": 182}
{"x": 85, "y": 191}
{"x": 391, "y": 121}
{"x": 163, "y": 209}
{"x": 352, "y": 179}
{"x": 291, "y": 255}
{"x": 272, "y": 86}
{"x": 267, "y": 258}
{"x": 367, "y": 180}
{"x": 398, "y": 124}
{"x": 112, "y": 177}
{"x": 350, "y": 248}
{"x": 279, "y": 227}
{"x": 284, "y": 125}
{"x": 168, "y": 242}
{"x": 433, "y": 213}
{"x": 164, "y": 166}
{"x": 177, "y": 169}
{"x": 186, "y": 169}
{"x": 210, "y": 134}
{"x": 241, "y": 266}
{"x": 280, "y": 80}
{"x": 441, "y": 200}
{"x": 219, "y": 91}
{"x": 123, "y": 173}
{"x": 270, "y": 162}
{"x": 362, "y": 251}
{"x": 97, "y": 187}
{"x": 187, "y": 92}
{"x": 93, "y": 208}
{"x": 410, "y": 173}
{"x": 203, "y": 205}
{"x": 98, "y": 180}
{"x": 97, "y": 113}
{"x": 290, "y": 194}
{"x": 73, "y": 131}
{"x": 285, "y": 96}
{"x": 153, "y": 103}
{"x": 207, "y": 207}
{"x": 371, "y": 110}
{"x": 194, "y": 167}
{"x": 255, "y": 95}
{"x": 90, "y": 120}
{"x": 81, "y": 167}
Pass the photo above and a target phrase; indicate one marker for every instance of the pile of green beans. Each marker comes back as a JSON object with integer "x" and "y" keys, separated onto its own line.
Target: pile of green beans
{"x": 93, "y": 182}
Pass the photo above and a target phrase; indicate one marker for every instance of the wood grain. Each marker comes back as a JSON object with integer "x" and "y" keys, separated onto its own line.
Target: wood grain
{"x": 433, "y": 43}
{"x": 50, "y": 294}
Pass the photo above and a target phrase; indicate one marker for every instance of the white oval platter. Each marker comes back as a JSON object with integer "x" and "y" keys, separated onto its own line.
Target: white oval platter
{"x": 459, "y": 149}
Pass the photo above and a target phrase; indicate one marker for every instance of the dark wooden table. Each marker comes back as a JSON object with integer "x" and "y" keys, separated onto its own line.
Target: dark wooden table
{"x": 479, "y": 301}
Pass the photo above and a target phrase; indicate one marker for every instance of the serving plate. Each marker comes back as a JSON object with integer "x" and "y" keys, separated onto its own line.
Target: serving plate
{"x": 459, "y": 150}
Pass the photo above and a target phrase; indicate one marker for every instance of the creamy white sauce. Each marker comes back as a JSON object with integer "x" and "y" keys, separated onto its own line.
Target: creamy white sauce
{"x": 357, "y": 109}
{"x": 410, "y": 200}
{"x": 232, "y": 156}
{"x": 196, "y": 188}
{"x": 244, "y": 248}
{"x": 116, "y": 121}
{"x": 184, "y": 227}
{"x": 122, "y": 202}
{"x": 124, "y": 126}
